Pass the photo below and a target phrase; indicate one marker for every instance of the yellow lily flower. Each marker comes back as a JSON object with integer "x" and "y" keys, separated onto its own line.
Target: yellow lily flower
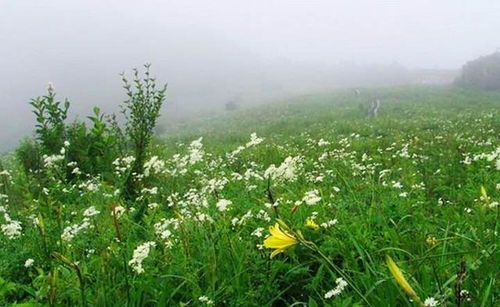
{"x": 312, "y": 224}
{"x": 279, "y": 240}
{"x": 401, "y": 280}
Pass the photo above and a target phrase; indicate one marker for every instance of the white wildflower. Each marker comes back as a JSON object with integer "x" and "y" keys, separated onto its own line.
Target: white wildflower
{"x": 90, "y": 211}
{"x": 153, "y": 206}
{"x": 49, "y": 161}
{"x": 71, "y": 231}
{"x": 311, "y": 197}
{"x": 397, "y": 185}
{"x": 287, "y": 171}
{"x": 223, "y": 204}
{"x": 254, "y": 140}
{"x": 205, "y": 300}
{"x": 195, "y": 151}
{"x": 322, "y": 142}
{"x": 119, "y": 210}
{"x": 12, "y": 229}
{"x": 341, "y": 285}
{"x": 258, "y": 232}
{"x": 29, "y": 263}
{"x": 430, "y": 302}
{"x": 329, "y": 223}
{"x": 154, "y": 165}
{"x": 140, "y": 253}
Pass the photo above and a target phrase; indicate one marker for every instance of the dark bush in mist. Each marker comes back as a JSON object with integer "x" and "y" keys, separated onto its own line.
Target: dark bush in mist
{"x": 482, "y": 73}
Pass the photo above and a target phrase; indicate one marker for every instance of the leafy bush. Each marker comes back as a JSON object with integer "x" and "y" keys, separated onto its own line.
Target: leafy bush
{"x": 88, "y": 150}
{"x": 93, "y": 148}
{"x": 141, "y": 111}
{"x": 482, "y": 73}
{"x": 29, "y": 155}
{"x": 50, "y": 117}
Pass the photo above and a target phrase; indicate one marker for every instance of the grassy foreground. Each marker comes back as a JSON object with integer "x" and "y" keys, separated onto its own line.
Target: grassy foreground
{"x": 420, "y": 183}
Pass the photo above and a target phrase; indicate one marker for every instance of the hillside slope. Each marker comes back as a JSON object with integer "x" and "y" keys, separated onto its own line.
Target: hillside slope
{"x": 299, "y": 202}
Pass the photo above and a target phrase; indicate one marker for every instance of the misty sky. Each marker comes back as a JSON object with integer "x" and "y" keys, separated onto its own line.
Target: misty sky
{"x": 202, "y": 48}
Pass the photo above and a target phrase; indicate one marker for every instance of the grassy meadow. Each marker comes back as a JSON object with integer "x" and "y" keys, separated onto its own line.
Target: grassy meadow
{"x": 300, "y": 203}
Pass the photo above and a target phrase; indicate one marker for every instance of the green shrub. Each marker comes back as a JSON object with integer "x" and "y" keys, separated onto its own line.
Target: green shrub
{"x": 29, "y": 155}
{"x": 141, "y": 111}
{"x": 50, "y": 117}
{"x": 93, "y": 148}
{"x": 83, "y": 149}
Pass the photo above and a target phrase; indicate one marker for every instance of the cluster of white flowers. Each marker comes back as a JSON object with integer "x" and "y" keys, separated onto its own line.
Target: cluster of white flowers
{"x": 29, "y": 263}
{"x": 397, "y": 185}
{"x": 151, "y": 191}
{"x": 140, "y": 253}
{"x": 329, "y": 224}
{"x": 203, "y": 217}
{"x": 257, "y": 232}
{"x": 311, "y": 197}
{"x": 122, "y": 165}
{"x": 341, "y": 285}
{"x": 403, "y": 153}
{"x": 153, "y": 206}
{"x": 263, "y": 215}
{"x": 493, "y": 156}
{"x": 196, "y": 152}
{"x": 254, "y": 140}
{"x": 242, "y": 220}
{"x": 322, "y": 143}
{"x": 90, "y": 211}
{"x": 214, "y": 184}
{"x": 76, "y": 170}
{"x": 50, "y": 161}
{"x": 119, "y": 211}
{"x": 90, "y": 185}
{"x": 154, "y": 165}
{"x": 180, "y": 162}
{"x": 71, "y": 231}
{"x": 431, "y": 302}
{"x": 287, "y": 171}
{"x": 12, "y": 228}
{"x": 232, "y": 155}
{"x": 204, "y": 299}
{"x": 163, "y": 232}
{"x": 250, "y": 173}
{"x": 223, "y": 204}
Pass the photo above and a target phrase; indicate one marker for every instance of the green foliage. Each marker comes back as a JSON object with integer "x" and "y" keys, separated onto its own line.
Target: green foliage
{"x": 482, "y": 73}
{"x": 91, "y": 149}
{"x": 95, "y": 148}
{"x": 29, "y": 154}
{"x": 405, "y": 184}
{"x": 50, "y": 116}
{"x": 141, "y": 111}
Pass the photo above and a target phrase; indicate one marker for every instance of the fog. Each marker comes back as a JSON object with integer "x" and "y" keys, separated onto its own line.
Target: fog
{"x": 211, "y": 52}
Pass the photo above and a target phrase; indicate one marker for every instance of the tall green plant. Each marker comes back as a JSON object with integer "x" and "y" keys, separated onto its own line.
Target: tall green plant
{"x": 141, "y": 111}
{"x": 50, "y": 117}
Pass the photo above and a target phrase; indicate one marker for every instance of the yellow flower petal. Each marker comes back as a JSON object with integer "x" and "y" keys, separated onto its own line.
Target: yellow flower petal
{"x": 400, "y": 279}
{"x": 279, "y": 240}
{"x": 276, "y": 251}
{"x": 312, "y": 224}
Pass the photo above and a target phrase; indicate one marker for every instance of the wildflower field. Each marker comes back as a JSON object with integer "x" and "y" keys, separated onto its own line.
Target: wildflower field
{"x": 305, "y": 202}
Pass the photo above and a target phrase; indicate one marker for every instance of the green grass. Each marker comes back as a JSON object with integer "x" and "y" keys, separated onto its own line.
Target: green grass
{"x": 435, "y": 225}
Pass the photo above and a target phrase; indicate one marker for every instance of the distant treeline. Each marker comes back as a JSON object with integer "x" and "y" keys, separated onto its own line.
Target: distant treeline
{"x": 481, "y": 73}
